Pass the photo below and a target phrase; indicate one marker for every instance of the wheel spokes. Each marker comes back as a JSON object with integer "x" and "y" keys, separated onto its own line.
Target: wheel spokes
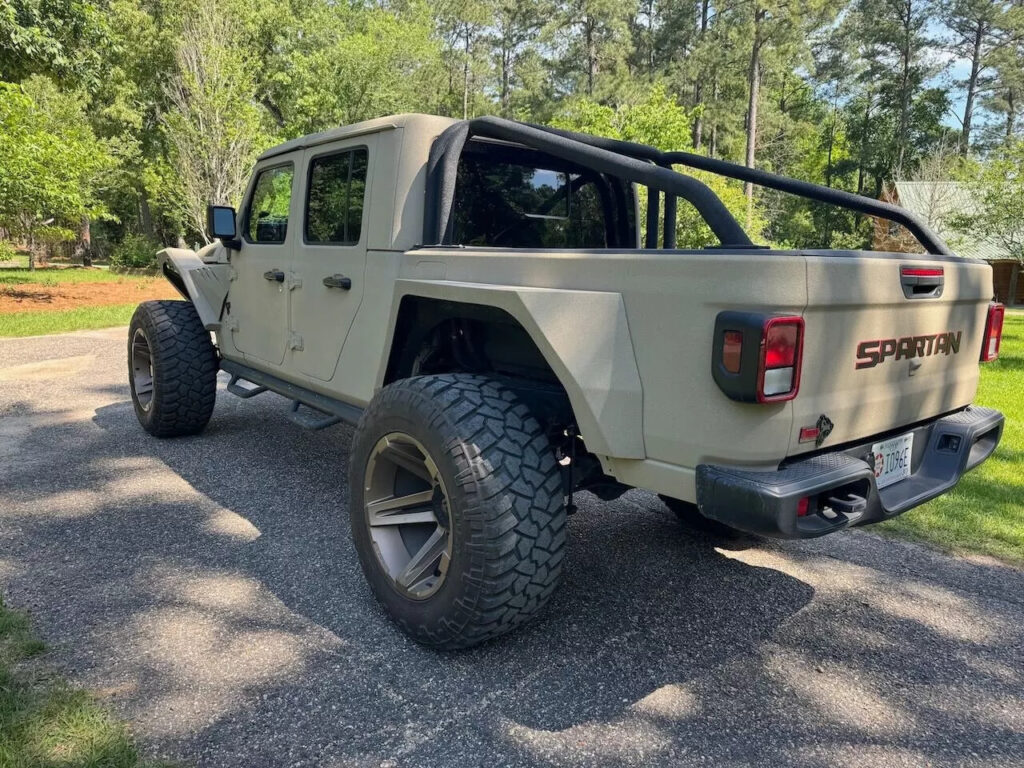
{"x": 426, "y": 561}
{"x": 400, "y": 455}
{"x": 400, "y": 510}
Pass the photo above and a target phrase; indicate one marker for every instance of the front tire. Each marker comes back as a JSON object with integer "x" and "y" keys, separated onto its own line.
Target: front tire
{"x": 172, "y": 368}
{"x": 456, "y": 508}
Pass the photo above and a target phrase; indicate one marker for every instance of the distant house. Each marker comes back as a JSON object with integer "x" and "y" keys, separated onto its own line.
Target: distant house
{"x": 939, "y": 203}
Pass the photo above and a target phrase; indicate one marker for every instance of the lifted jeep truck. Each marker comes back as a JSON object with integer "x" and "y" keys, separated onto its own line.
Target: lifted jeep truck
{"x": 475, "y": 297}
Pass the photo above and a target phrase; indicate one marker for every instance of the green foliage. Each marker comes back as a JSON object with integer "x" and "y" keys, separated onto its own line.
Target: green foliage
{"x": 62, "y": 39}
{"x": 7, "y": 252}
{"x": 164, "y": 106}
{"x": 350, "y": 63}
{"x": 999, "y": 190}
{"x": 53, "y": 163}
{"x": 134, "y": 251}
{"x": 657, "y": 120}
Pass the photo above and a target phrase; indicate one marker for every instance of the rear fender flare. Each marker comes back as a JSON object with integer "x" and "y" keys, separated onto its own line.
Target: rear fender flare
{"x": 584, "y": 337}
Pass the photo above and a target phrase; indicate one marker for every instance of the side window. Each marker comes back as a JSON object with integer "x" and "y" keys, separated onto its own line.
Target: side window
{"x": 505, "y": 203}
{"x": 337, "y": 192}
{"x": 267, "y": 217}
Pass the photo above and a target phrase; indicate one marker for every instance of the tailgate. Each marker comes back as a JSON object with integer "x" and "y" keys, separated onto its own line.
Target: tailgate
{"x": 876, "y": 359}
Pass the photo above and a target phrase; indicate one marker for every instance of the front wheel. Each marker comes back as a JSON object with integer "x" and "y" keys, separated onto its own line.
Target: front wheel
{"x": 456, "y": 508}
{"x": 172, "y": 368}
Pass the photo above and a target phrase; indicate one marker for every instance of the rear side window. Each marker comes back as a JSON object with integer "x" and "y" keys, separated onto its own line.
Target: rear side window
{"x": 337, "y": 192}
{"x": 267, "y": 218}
{"x": 500, "y": 203}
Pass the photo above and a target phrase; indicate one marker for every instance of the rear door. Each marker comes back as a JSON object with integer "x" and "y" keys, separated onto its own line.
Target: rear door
{"x": 330, "y": 254}
{"x": 890, "y": 340}
{"x": 258, "y": 296}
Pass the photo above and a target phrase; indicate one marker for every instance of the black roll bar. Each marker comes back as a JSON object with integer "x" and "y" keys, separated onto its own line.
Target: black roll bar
{"x": 442, "y": 167}
{"x": 866, "y": 205}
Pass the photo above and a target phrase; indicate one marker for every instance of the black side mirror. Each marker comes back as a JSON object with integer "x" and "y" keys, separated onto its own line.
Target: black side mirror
{"x": 220, "y": 223}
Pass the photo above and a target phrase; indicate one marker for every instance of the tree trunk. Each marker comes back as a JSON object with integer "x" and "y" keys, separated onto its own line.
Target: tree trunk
{"x": 506, "y": 59}
{"x": 83, "y": 245}
{"x": 863, "y": 145}
{"x": 753, "y": 88}
{"x": 591, "y": 56}
{"x": 901, "y": 137}
{"x": 831, "y": 145}
{"x": 465, "y": 77}
{"x": 698, "y": 87}
{"x": 1011, "y": 113}
{"x": 972, "y": 88}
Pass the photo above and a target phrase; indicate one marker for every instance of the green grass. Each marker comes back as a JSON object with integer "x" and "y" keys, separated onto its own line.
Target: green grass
{"x": 20, "y": 260}
{"x": 53, "y": 277}
{"x": 62, "y": 321}
{"x": 984, "y": 514}
{"x": 46, "y": 723}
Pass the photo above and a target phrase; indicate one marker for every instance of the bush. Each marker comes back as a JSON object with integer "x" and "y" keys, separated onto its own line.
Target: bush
{"x": 134, "y": 251}
{"x": 7, "y": 251}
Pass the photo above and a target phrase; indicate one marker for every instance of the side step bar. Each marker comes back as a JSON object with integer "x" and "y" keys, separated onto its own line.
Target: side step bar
{"x": 334, "y": 411}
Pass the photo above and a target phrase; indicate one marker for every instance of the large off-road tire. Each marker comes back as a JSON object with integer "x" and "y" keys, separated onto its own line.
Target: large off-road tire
{"x": 456, "y": 507}
{"x": 172, "y": 368}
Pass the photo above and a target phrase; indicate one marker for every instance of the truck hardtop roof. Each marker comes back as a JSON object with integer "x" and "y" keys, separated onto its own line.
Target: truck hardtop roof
{"x": 414, "y": 120}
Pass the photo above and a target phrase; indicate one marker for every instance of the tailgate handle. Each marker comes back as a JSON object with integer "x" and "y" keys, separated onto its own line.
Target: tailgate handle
{"x": 922, "y": 282}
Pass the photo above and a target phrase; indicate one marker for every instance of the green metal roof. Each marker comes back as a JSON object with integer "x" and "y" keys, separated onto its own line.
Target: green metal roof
{"x": 938, "y": 202}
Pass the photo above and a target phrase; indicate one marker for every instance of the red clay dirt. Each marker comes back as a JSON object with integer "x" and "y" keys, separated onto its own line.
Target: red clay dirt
{"x": 33, "y": 297}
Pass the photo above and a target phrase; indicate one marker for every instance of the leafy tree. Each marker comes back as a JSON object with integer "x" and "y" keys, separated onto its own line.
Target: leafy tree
{"x": 213, "y": 127}
{"x": 59, "y": 39}
{"x": 53, "y": 164}
{"x": 593, "y": 44}
{"x": 345, "y": 63}
{"x": 999, "y": 190}
{"x": 657, "y": 120}
{"x": 978, "y": 29}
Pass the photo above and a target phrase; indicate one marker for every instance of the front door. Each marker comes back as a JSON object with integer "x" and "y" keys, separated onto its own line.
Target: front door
{"x": 330, "y": 256}
{"x": 258, "y": 296}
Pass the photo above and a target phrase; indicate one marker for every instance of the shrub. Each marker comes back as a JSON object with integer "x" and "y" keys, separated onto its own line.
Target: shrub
{"x": 7, "y": 251}
{"x": 134, "y": 251}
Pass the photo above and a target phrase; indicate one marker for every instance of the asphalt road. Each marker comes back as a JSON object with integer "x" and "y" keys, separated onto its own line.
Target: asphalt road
{"x": 207, "y": 589}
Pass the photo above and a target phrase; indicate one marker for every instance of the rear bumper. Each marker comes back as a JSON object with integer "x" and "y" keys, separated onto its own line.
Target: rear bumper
{"x": 840, "y": 485}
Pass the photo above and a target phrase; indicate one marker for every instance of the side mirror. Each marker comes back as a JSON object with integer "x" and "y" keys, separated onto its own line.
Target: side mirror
{"x": 220, "y": 223}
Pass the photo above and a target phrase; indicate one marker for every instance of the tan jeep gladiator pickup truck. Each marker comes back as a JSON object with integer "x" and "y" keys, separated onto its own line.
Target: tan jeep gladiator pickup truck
{"x": 505, "y": 324}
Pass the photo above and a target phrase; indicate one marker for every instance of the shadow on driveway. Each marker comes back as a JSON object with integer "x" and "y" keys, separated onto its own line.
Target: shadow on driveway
{"x": 208, "y": 587}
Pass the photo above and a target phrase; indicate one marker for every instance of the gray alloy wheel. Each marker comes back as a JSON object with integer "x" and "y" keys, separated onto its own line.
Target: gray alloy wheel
{"x": 142, "y": 369}
{"x": 408, "y": 515}
{"x": 456, "y": 508}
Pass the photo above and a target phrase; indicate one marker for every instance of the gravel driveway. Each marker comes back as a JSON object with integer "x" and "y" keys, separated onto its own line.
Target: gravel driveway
{"x": 207, "y": 589}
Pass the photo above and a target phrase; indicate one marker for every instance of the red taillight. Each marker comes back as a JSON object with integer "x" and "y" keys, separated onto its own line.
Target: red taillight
{"x": 921, "y": 271}
{"x": 993, "y": 333}
{"x": 732, "y": 351}
{"x": 803, "y": 506}
{"x": 782, "y": 345}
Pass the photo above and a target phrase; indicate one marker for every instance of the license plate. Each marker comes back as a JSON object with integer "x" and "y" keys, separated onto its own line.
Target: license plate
{"x": 892, "y": 459}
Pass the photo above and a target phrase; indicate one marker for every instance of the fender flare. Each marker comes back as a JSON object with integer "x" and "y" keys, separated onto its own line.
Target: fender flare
{"x": 204, "y": 284}
{"x": 584, "y": 337}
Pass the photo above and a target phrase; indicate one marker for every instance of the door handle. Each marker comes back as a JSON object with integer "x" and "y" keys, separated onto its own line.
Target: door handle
{"x": 338, "y": 281}
{"x": 274, "y": 276}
